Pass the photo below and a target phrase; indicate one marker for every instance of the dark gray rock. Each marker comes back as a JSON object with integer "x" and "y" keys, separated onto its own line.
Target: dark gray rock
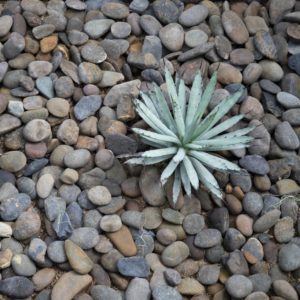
{"x": 16, "y": 287}
{"x": 165, "y": 292}
{"x": 11, "y": 208}
{"x": 286, "y": 137}
{"x": 253, "y": 204}
{"x": 255, "y": 164}
{"x": 208, "y": 238}
{"x": 294, "y": 63}
{"x": 261, "y": 282}
{"x": 166, "y": 11}
{"x": 62, "y": 226}
{"x": 233, "y": 240}
{"x": 85, "y": 237}
{"x": 289, "y": 257}
{"x": 87, "y": 106}
{"x": 101, "y": 292}
{"x": 208, "y": 274}
{"x": 135, "y": 266}
{"x": 121, "y": 144}
{"x": 236, "y": 263}
{"x": 238, "y": 286}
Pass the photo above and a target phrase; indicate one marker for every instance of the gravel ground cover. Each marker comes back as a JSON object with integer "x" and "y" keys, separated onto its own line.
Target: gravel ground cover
{"x": 75, "y": 221}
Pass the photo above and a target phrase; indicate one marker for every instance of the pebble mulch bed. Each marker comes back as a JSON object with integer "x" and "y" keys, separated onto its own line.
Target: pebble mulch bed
{"x": 75, "y": 221}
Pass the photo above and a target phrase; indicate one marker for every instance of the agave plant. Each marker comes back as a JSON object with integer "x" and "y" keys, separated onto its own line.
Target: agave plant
{"x": 184, "y": 134}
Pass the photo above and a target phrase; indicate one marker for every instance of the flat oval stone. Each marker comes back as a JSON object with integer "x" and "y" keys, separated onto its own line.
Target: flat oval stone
{"x": 87, "y": 106}
{"x": 97, "y": 28}
{"x": 5, "y": 24}
{"x": 58, "y": 107}
{"x": 294, "y": 63}
{"x": 77, "y": 159}
{"x": 166, "y": 11}
{"x": 289, "y": 257}
{"x": 13, "y": 161}
{"x": 77, "y": 258}
{"x": 265, "y": 45}
{"x": 271, "y": 70}
{"x": 135, "y": 266}
{"x": 43, "y": 278}
{"x": 193, "y": 15}
{"x": 123, "y": 241}
{"x": 150, "y": 25}
{"x": 278, "y": 9}
{"x": 16, "y": 287}
{"x": 37, "y": 130}
{"x": 115, "y": 10}
{"x": 195, "y": 38}
{"x": 167, "y": 35}
{"x": 8, "y": 123}
{"x": 241, "y": 56}
{"x": 174, "y": 254}
{"x": 234, "y": 27}
{"x": 69, "y": 285}
{"x": 288, "y": 100}
{"x": 42, "y": 31}
{"x": 239, "y": 286}
{"x": 208, "y": 238}
{"x": 39, "y": 68}
{"x": 266, "y": 221}
{"x": 89, "y": 73}
{"x": 13, "y": 46}
{"x": 93, "y": 53}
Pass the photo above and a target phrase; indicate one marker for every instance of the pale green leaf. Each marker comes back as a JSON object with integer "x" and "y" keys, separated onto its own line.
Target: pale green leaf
{"x": 222, "y": 108}
{"x": 162, "y": 107}
{"x": 148, "y": 102}
{"x": 221, "y": 144}
{"x": 207, "y": 178}
{"x": 182, "y": 98}
{"x": 214, "y": 162}
{"x": 169, "y": 170}
{"x": 156, "y": 136}
{"x": 191, "y": 172}
{"x": 176, "y": 186}
{"x": 185, "y": 180}
{"x": 194, "y": 99}
{"x": 237, "y": 133}
{"x": 206, "y": 97}
{"x": 222, "y": 127}
{"x": 204, "y": 125}
{"x": 160, "y": 152}
{"x": 175, "y": 104}
{"x": 147, "y": 161}
{"x": 217, "y": 113}
{"x": 151, "y": 119}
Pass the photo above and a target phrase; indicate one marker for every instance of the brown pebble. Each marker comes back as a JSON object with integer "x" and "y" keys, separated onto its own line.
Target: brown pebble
{"x": 123, "y": 241}
{"x": 244, "y": 224}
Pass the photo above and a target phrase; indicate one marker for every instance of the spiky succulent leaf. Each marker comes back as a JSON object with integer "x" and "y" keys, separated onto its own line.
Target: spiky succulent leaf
{"x": 185, "y": 180}
{"x": 156, "y": 136}
{"x": 195, "y": 96}
{"x": 175, "y": 161}
{"x": 207, "y": 178}
{"x": 206, "y": 97}
{"x": 176, "y": 186}
{"x": 177, "y": 109}
{"x": 151, "y": 119}
{"x": 182, "y": 136}
{"x": 162, "y": 108}
{"x": 222, "y": 127}
{"x": 214, "y": 162}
